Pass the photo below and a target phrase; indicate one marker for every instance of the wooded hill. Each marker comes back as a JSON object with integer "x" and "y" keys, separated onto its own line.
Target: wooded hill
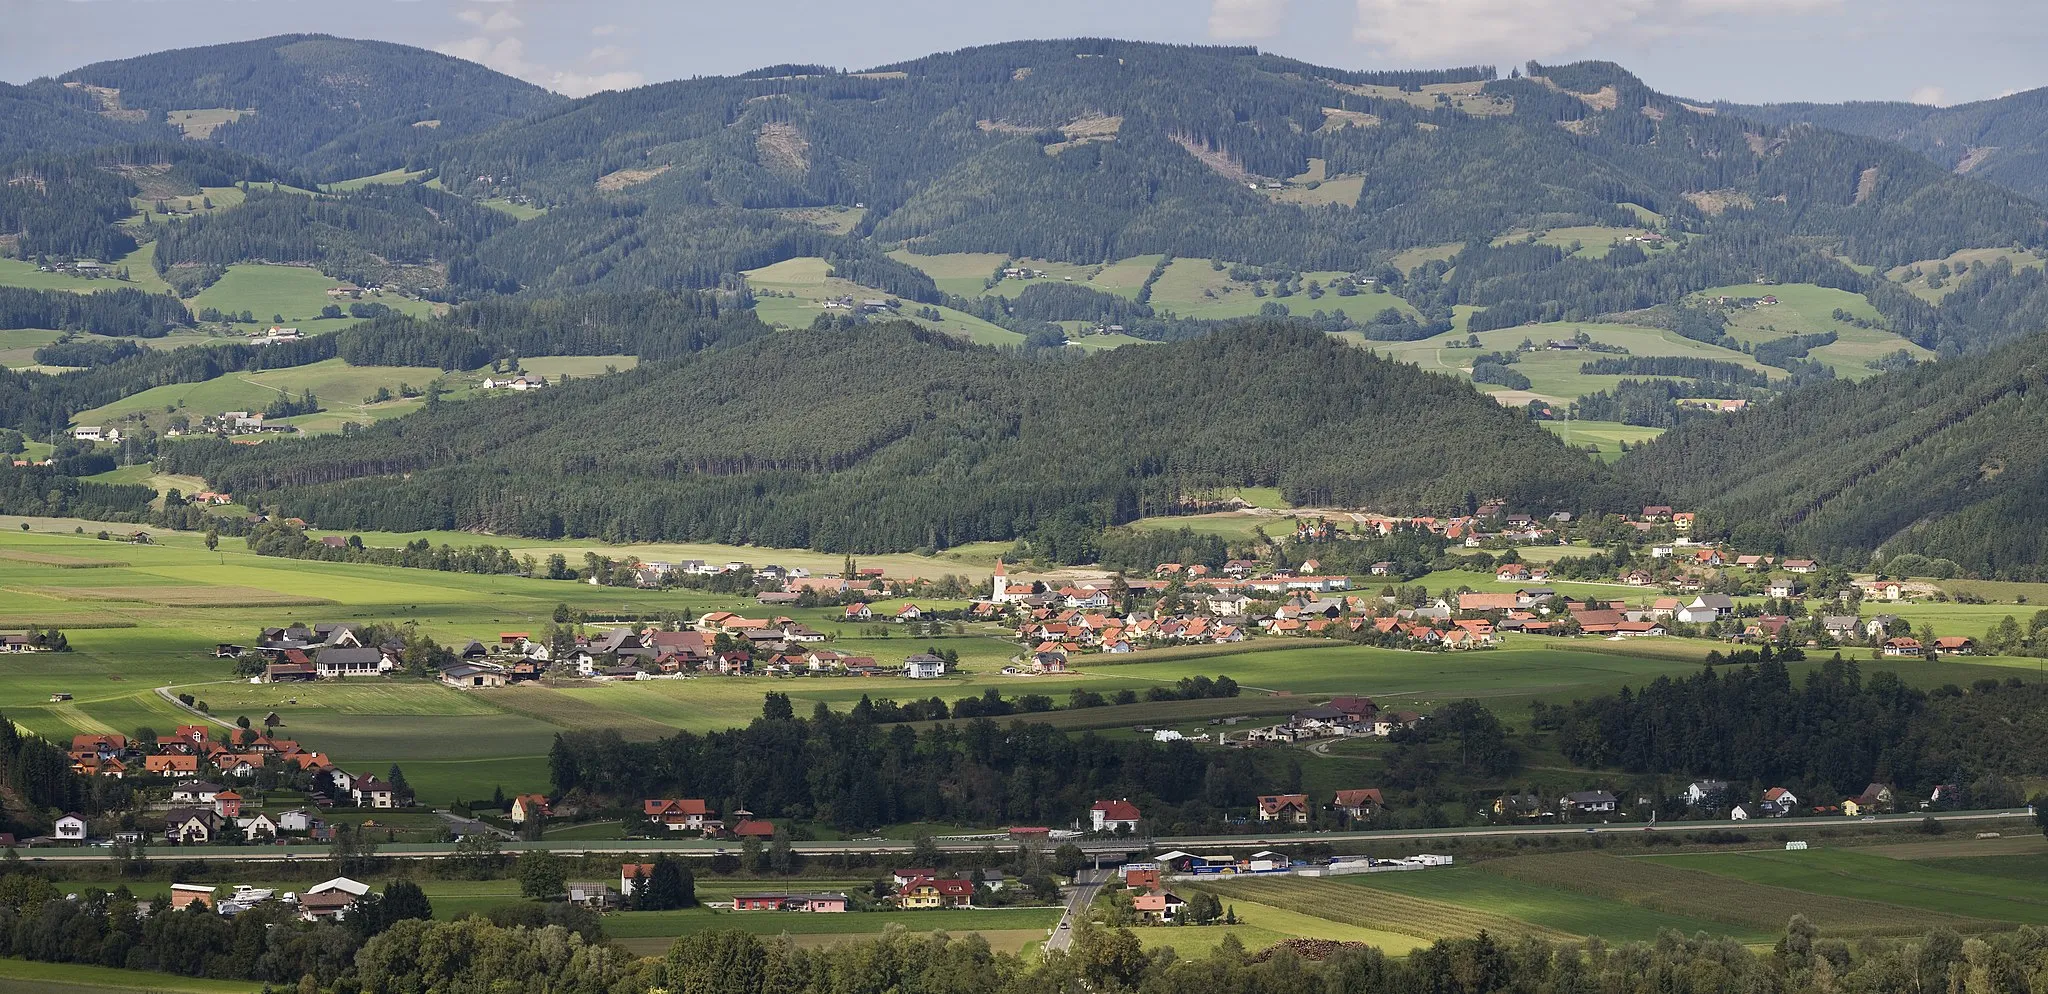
{"x": 2003, "y": 141}
{"x": 333, "y": 108}
{"x": 888, "y": 437}
{"x": 1946, "y": 460}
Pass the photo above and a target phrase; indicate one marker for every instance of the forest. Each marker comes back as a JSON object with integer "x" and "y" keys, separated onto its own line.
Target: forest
{"x": 938, "y": 442}
{"x": 1826, "y": 737}
{"x": 1938, "y": 459}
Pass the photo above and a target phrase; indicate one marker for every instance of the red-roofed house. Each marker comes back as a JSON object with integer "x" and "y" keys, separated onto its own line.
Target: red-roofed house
{"x": 1357, "y": 804}
{"x": 1109, "y": 816}
{"x": 684, "y": 814}
{"x": 1289, "y": 808}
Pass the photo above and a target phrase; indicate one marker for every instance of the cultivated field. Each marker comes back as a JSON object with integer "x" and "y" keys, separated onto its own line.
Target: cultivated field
{"x": 1554, "y": 375}
{"x": 297, "y": 293}
{"x": 793, "y": 293}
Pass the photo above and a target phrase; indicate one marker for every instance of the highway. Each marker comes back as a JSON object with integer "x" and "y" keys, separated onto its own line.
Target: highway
{"x": 1357, "y": 842}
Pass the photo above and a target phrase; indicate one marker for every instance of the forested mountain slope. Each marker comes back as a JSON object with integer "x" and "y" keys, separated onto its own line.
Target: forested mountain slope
{"x": 330, "y": 107}
{"x": 1089, "y": 150}
{"x": 1947, "y": 460}
{"x": 888, "y": 437}
{"x": 2003, "y": 141}
{"x": 43, "y": 118}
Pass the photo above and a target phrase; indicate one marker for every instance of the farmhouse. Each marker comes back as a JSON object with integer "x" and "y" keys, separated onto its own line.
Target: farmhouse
{"x": 924, "y": 666}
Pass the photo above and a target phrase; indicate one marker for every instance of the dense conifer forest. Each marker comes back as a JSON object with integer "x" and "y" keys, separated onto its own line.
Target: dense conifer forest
{"x": 940, "y": 443}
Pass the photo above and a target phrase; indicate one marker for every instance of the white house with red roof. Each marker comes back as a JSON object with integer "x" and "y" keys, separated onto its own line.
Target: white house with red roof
{"x": 1109, "y": 816}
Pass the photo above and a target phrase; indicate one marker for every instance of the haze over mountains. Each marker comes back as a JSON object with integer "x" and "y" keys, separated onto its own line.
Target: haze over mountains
{"x": 1437, "y": 196}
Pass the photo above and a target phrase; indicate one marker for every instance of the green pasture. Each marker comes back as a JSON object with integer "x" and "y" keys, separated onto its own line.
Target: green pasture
{"x": 793, "y": 293}
{"x": 1594, "y": 240}
{"x": 1553, "y": 375}
{"x": 341, "y": 388}
{"x": 19, "y": 976}
{"x": 1547, "y": 907}
{"x": 296, "y": 292}
{"x": 389, "y": 177}
{"x": 1919, "y": 285}
{"x": 1605, "y": 436}
{"x": 1806, "y": 309}
{"x": 1842, "y": 873}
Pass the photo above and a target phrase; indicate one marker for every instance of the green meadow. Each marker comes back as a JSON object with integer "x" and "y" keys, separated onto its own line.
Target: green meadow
{"x": 1805, "y": 309}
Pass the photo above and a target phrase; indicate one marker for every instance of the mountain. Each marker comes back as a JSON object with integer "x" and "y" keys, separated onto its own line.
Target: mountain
{"x": 1088, "y": 151}
{"x": 2003, "y": 141}
{"x": 332, "y": 108}
{"x": 888, "y": 437}
{"x": 1945, "y": 460}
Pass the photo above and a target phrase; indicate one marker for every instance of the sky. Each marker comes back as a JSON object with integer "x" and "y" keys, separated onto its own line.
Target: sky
{"x": 1751, "y": 51}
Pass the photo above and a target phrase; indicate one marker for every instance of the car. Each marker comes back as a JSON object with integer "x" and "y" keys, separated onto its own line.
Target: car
{"x": 1066, "y": 925}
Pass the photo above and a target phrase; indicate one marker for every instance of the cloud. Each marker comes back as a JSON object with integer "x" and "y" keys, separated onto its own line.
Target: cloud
{"x": 1933, "y": 95}
{"x": 495, "y": 22}
{"x": 499, "y": 47}
{"x": 1513, "y": 30}
{"x": 604, "y": 29}
{"x": 1237, "y": 20}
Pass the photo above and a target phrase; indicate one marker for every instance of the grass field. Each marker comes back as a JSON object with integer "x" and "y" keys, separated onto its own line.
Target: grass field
{"x": 1762, "y": 904}
{"x": 1553, "y": 376}
{"x": 1264, "y": 925}
{"x": 296, "y": 292}
{"x": 1195, "y": 288}
{"x": 1605, "y": 436}
{"x": 793, "y": 293}
{"x": 341, "y": 388}
{"x": 1594, "y": 240}
{"x": 1805, "y": 309}
{"x": 1842, "y": 873}
{"x": 1543, "y": 906}
{"x": 389, "y": 177}
{"x": 26, "y": 977}
{"x": 1919, "y": 285}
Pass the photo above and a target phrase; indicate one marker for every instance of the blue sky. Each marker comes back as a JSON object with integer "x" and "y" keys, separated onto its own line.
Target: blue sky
{"x": 1747, "y": 50}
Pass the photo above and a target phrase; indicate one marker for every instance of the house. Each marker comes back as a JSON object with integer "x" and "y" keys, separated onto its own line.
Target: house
{"x": 195, "y": 791}
{"x": 1880, "y": 624}
{"x": 1904, "y": 645}
{"x": 1955, "y": 645}
{"x": 1357, "y": 805}
{"x": 339, "y": 662}
{"x": 1876, "y": 798}
{"x": 1157, "y": 906}
{"x": 924, "y": 666}
{"x": 630, "y": 874}
{"x": 1801, "y": 566}
{"x": 1141, "y": 876}
{"x": 909, "y": 612}
{"x": 227, "y": 804}
{"x": 527, "y": 806}
{"x": 1784, "y": 588}
{"x": 468, "y": 676}
{"x": 678, "y": 814}
{"x": 71, "y": 828}
{"x": 1706, "y": 793}
{"x": 754, "y": 828}
{"x": 1288, "y": 808}
{"x": 859, "y": 612}
{"x": 191, "y": 826}
{"x": 1840, "y": 626}
{"x": 1779, "y": 802}
{"x": 1744, "y": 812}
{"x": 1706, "y": 608}
{"x": 1487, "y": 602}
{"x": 295, "y": 822}
{"x": 931, "y": 892}
{"x": 1112, "y": 816}
{"x": 1588, "y": 802}
{"x": 815, "y": 903}
{"x": 257, "y": 827}
{"x": 370, "y": 792}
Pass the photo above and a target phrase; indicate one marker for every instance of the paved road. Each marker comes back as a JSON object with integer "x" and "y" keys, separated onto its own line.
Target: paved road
{"x": 1357, "y": 841}
{"x": 470, "y": 826}
{"x": 1080, "y": 895}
